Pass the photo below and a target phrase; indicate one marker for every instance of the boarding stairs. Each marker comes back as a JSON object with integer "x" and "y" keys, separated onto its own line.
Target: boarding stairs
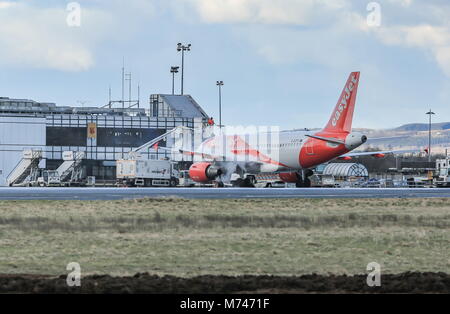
{"x": 26, "y": 169}
{"x": 70, "y": 168}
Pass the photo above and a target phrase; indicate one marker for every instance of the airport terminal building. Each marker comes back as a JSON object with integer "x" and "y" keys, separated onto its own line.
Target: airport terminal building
{"x": 104, "y": 134}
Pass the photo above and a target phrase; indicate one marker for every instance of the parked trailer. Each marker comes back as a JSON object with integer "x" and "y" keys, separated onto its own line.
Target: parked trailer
{"x": 146, "y": 173}
{"x": 442, "y": 176}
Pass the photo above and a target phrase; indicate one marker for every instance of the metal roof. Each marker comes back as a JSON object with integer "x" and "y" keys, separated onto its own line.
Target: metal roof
{"x": 185, "y": 104}
{"x": 346, "y": 170}
{"x": 11, "y": 105}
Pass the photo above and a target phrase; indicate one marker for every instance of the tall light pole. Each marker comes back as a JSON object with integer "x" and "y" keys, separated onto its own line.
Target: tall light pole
{"x": 220, "y": 84}
{"x": 173, "y": 70}
{"x": 430, "y": 113}
{"x": 183, "y": 48}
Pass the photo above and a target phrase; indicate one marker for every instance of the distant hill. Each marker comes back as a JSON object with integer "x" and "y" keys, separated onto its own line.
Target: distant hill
{"x": 409, "y": 136}
{"x": 412, "y": 136}
{"x": 423, "y": 127}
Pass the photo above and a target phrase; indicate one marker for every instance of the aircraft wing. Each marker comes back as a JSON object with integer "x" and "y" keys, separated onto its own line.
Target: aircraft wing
{"x": 380, "y": 153}
{"x": 258, "y": 157}
{"x": 387, "y": 138}
{"x": 203, "y": 155}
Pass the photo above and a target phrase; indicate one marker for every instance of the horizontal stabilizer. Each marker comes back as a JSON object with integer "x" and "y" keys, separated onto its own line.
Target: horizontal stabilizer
{"x": 327, "y": 139}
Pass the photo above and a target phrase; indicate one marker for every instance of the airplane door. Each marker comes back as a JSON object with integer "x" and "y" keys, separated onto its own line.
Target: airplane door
{"x": 310, "y": 147}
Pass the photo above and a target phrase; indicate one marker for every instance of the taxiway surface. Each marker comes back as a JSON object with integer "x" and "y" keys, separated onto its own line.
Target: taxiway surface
{"x": 9, "y": 193}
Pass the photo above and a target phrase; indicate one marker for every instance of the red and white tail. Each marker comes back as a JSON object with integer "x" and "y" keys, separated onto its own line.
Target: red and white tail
{"x": 342, "y": 116}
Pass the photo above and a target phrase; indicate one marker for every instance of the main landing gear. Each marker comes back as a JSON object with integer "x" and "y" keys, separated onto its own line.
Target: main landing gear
{"x": 303, "y": 179}
{"x": 248, "y": 182}
{"x": 218, "y": 184}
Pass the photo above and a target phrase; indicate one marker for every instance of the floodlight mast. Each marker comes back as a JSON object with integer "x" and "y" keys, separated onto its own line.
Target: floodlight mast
{"x": 173, "y": 70}
{"x": 430, "y": 113}
{"x": 220, "y": 84}
{"x": 183, "y": 48}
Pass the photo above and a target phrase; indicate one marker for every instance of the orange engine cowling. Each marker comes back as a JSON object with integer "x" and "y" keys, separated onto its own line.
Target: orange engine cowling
{"x": 204, "y": 172}
{"x": 289, "y": 177}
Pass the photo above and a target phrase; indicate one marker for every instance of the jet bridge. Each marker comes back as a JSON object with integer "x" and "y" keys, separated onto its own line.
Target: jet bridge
{"x": 27, "y": 170}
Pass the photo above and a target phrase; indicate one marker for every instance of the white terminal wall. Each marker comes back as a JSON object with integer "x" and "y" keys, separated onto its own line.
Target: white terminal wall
{"x": 16, "y": 135}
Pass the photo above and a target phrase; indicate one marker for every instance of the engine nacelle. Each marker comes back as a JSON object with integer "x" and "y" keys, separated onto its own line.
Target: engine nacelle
{"x": 204, "y": 172}
{"x": 354, "y": 140}
{"x": 289, "y": 177}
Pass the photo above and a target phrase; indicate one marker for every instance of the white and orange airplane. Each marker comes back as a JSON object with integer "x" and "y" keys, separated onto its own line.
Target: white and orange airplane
{"x": 289, "y": 153}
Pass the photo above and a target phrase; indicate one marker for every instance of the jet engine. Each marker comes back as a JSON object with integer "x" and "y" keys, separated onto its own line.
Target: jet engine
{"x": 204, "y": 172}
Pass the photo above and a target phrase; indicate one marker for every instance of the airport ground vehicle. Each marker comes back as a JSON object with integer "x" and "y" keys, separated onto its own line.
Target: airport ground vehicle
{"x": 185, "y": 180}
{"x": 269, "y": 180}
{"x": 140, "y": 172}
{"x": 49, "y": 178}
{"x": 442, "y": 175}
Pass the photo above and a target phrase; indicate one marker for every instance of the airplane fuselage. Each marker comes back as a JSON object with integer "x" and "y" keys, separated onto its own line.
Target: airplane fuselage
{"x": 278, "y": 151}
{"x": 289, "y": 151}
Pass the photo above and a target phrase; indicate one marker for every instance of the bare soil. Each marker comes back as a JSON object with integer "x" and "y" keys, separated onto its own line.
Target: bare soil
{"x": 409, "y": 282}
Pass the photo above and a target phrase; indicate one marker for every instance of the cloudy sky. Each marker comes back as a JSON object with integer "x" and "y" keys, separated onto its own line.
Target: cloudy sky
{"x": 284, "y": 62}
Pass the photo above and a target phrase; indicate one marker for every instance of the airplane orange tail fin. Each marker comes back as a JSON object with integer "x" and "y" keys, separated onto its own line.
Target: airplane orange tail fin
{"x": 342, "y": 116}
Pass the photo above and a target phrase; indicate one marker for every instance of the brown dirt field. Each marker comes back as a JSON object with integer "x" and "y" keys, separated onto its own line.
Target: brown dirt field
{"x": 409, "y": 282}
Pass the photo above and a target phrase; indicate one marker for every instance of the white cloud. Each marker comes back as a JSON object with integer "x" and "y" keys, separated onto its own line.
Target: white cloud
{"x": 40, "y": 38}
{"x": 5, "y": 4}
{"x": 442, "y": 55}
{"x": 404, "y": 3}
{"x": 295, "y": 12}
{"x": 432, "y": 39}
{"x": 330, "y": 26}
{"x": 415, "y": 36}
{"x": 284, "y": 31}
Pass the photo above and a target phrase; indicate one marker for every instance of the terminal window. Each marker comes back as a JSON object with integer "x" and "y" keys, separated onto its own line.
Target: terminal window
{"x": 66, "y": 136}
{"x": 127, "y": 137}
